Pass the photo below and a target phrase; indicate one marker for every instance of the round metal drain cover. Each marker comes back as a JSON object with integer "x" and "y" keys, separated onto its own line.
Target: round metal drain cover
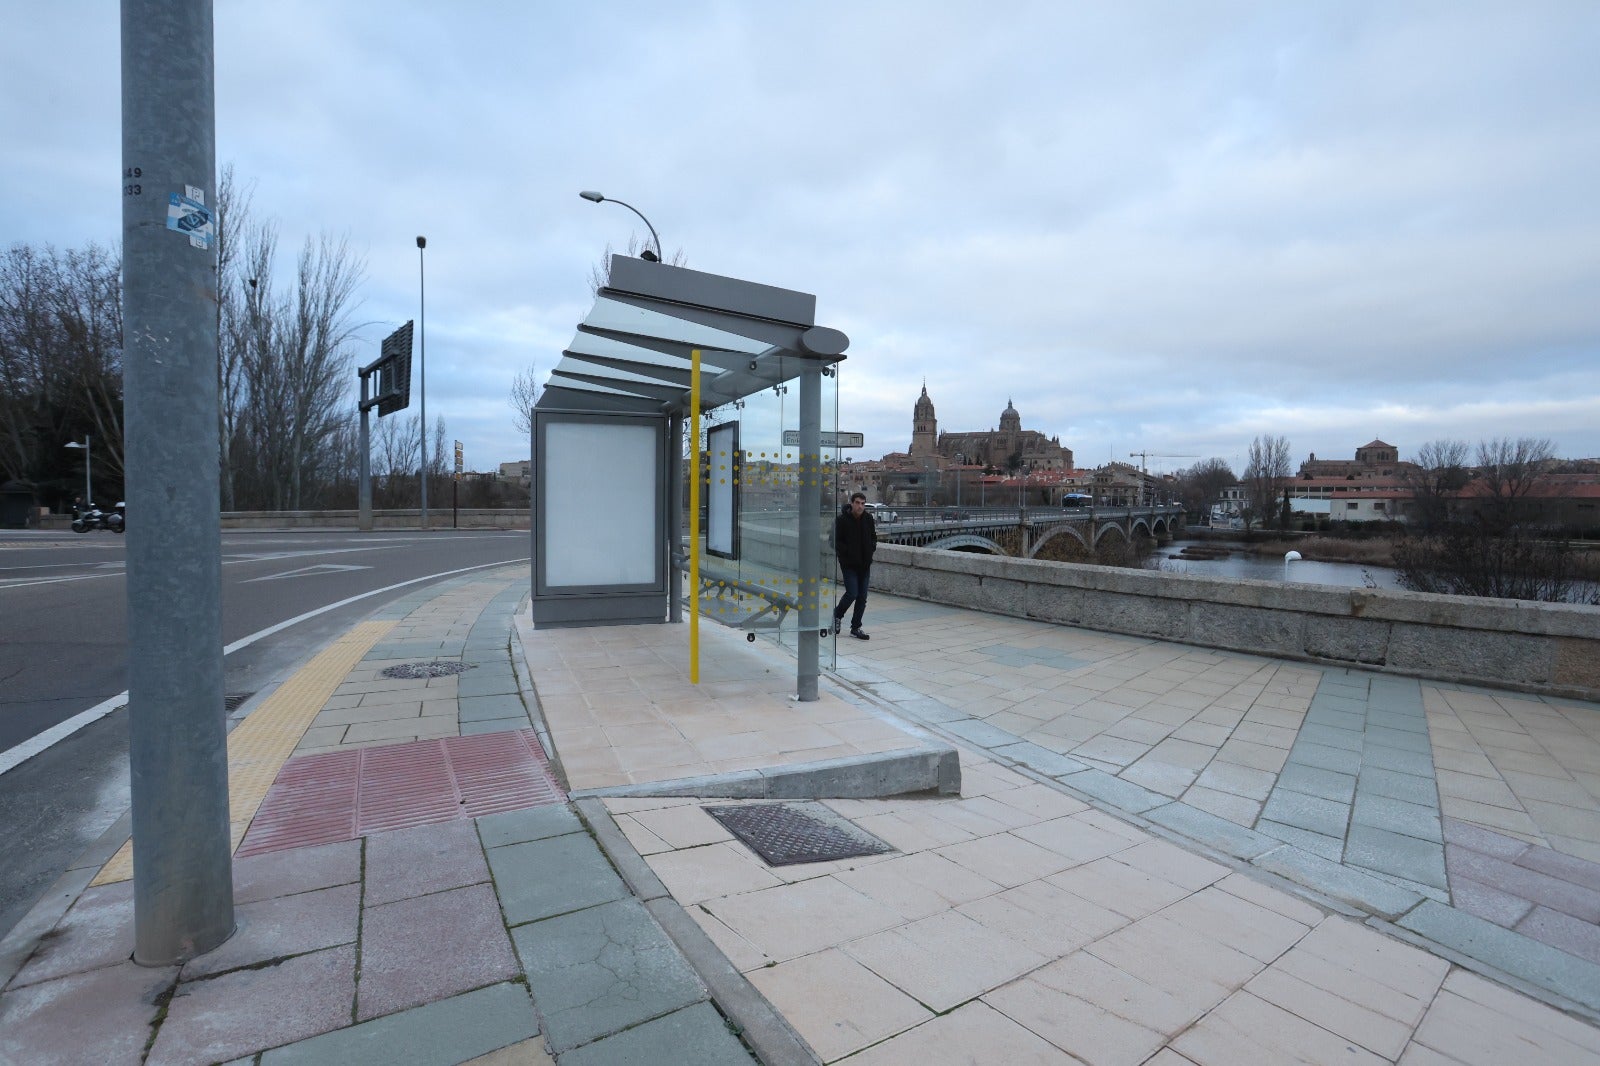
{"x": 437, "y": 668}
{"x": 785, "y": 834}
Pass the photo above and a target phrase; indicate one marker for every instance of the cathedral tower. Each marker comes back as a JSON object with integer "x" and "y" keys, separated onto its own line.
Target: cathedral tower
{"x": 924, "y": 426}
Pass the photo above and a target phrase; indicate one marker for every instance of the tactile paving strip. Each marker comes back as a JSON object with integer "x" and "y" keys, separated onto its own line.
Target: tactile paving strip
{"x": 261, "y": 743}
{"x": 786, "y": 834}
{"x": 340, "y": 795}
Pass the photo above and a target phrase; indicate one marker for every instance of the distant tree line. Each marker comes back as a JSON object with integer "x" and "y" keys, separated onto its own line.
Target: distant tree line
{"x": 287, "y": 425}
{"x": 1475, "y": 531}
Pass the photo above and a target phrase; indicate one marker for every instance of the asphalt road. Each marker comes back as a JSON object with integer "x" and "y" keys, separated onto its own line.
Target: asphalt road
{"x": 63, "y": 650}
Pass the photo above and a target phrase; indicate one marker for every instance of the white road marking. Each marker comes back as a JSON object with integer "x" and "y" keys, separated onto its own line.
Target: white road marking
{"x": 13, "y": 757}
{"x": 306, "y": 571}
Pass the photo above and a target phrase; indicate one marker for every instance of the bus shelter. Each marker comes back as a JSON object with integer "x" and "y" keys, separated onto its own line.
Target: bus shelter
{"x": 690, "y": 429}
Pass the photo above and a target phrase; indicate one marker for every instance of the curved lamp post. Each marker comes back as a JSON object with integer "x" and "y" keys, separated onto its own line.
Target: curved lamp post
{"x": 598, "y": 198}
{"x": 88, "y": 461}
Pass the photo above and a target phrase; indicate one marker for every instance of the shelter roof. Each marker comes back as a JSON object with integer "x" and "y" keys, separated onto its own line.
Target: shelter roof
{"x": 632, "y": 351}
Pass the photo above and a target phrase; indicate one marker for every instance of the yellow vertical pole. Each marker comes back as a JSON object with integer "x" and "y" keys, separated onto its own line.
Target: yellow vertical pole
{"x": 694, "y": 517}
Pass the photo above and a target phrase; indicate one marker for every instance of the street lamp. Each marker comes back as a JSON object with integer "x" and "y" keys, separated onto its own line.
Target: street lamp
{"x": 88, "y": 461}
{"x": 422, "y": 299}
{"x": 598, "y": 198}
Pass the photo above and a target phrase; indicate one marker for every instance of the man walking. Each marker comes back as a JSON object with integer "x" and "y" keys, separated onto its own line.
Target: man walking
{"x": 855, "y": 538}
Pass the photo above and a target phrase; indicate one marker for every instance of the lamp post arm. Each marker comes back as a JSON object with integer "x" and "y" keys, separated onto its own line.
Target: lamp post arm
{"x": 659, "y": 253}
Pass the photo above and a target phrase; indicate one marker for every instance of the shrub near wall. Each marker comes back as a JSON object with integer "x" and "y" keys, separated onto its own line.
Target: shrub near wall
{"x": 1540, "y": 647}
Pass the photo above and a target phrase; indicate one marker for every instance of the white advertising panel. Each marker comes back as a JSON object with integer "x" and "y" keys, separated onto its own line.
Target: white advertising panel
{"x": 600, "y": 502}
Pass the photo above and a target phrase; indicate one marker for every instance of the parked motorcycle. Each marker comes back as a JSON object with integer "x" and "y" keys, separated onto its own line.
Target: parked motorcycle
{"x": 91, "y": 517}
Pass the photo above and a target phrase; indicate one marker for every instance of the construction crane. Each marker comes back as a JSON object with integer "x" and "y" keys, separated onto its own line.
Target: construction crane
{"x": 1144, "y": 475}
{"x": 1144, "y": 456}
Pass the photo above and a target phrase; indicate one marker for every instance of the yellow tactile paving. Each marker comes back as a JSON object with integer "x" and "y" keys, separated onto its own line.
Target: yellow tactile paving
{"x": 262, "y": 743}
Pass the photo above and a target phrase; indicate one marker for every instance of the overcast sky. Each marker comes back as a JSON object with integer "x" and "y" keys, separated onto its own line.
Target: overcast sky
{"x": 1156, "y": 226}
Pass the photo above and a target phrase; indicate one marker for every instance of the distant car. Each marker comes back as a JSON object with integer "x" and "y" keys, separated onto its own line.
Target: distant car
{"x": 881, "y": 513}
{"x": 950, "y": 514}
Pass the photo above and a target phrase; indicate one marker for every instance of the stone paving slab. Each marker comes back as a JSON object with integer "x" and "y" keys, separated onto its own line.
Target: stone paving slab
{"x": 244, "y": 1011}
{"x": 426, "y": 858}
{"x": 439, "y": 1034}
{"x": 535, "y": 823}
{"x": 283, "y": 926}
{"x": 1547, "y": 967}
{"x": 601, "y": 970}
{"x": 429, "y": 948}
{"x": 47, "y": 1022}
{"x": 528, "y": 891}
{"x": 695, "y": 1034}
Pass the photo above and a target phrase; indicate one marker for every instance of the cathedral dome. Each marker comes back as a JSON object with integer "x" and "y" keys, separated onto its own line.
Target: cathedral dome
{"x": 924, "y": 408}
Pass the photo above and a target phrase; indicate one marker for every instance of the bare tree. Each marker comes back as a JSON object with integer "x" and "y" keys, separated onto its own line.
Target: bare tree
{"x": 60, "y": 359}
{"x": 286, "y": 369}
{"x": 1509, "y": 471}
{"x": 1200, "y": 486}
{"x": 1266, "y": 475}
{"x": 524, "y": 394}
{"x": 1440, "y": 472}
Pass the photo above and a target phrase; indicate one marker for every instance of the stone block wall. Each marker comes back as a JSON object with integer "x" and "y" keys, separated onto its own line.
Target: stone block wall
{"x": 1537, "y": 647}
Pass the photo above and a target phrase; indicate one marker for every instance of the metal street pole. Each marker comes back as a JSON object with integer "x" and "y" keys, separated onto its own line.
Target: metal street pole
{"x": 364, "y": 489}
{"x": 177, "y": 749}
{"x": 88, "y": 462}
{"x": 422, "y": 293}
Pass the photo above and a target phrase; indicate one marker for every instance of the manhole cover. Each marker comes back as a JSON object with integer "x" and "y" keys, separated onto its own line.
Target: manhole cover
{"x": 437, "y": 668}
{"x": 785, "y": 834}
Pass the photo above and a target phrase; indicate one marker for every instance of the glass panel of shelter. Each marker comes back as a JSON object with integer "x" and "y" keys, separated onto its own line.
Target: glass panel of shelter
{"x": 760, "y": 590}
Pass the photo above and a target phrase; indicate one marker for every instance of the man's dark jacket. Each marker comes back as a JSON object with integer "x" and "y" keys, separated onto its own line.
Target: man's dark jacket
{"x": 855, "y": 539}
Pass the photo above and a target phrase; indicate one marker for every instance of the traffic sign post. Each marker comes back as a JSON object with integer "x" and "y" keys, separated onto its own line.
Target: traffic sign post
{"x": 393, "y": 393}
{"x": 455, "y": 490}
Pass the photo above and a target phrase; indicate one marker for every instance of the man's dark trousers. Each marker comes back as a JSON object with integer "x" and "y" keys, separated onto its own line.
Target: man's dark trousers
{"x": 856, "y": 579}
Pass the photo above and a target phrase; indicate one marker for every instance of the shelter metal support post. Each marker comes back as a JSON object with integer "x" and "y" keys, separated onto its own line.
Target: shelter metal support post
{"x": 810, "y": 545}
{"x": 674, "y": 516}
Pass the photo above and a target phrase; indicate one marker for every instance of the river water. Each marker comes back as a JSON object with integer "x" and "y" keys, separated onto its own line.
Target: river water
{"x": 1267, "y": 568}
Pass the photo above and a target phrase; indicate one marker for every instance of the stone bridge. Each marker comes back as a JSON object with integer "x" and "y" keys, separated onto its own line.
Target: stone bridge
{"x": 1002, "y": 531}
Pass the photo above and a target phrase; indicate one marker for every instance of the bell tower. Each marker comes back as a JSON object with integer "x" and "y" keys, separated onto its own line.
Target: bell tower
{"x": 924, "y": 426}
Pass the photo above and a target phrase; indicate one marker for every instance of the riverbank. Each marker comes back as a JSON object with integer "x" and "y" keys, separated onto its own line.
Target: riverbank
{"x": 1365, "y": 549}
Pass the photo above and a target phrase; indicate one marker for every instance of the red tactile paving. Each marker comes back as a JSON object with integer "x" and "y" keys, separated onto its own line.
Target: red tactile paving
{"x": 340, "y": 795}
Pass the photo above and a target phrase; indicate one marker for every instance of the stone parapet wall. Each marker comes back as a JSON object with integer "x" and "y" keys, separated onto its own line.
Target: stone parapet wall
{"x": 1539, "y": 647}
{"x": 465, "y": 518}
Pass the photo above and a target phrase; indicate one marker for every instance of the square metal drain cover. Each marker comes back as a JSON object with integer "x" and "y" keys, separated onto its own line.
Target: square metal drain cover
{"x": 785, "y": 834}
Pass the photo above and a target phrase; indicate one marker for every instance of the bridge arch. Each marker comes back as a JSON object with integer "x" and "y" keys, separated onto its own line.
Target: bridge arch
{"x": 1110, "y": 527}
{"x": 1067, "y": 528}
{"x": 967, "y": 541}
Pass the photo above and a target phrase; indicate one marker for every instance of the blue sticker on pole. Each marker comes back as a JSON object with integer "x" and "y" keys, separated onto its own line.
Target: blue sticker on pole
{"x": 192, "y": 219}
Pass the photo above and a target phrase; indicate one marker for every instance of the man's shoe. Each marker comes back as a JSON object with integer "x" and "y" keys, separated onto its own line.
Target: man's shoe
{"x": 837, "y": 622}
{"x": 859, "y": 634}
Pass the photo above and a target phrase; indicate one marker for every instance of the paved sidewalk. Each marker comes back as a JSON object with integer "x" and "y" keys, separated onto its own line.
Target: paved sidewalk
{"x": 1158, "y": 854}
{"x": 411, "y": 889}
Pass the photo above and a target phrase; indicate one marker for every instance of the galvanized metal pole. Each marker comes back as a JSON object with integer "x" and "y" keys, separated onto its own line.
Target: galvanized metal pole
{"x": 88, "y": 469}
{"x": 810, "y": 546}
{"x": 364, "y": 492}
{"x": 178, "y": 755}
{"x": 422, "y": 293}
